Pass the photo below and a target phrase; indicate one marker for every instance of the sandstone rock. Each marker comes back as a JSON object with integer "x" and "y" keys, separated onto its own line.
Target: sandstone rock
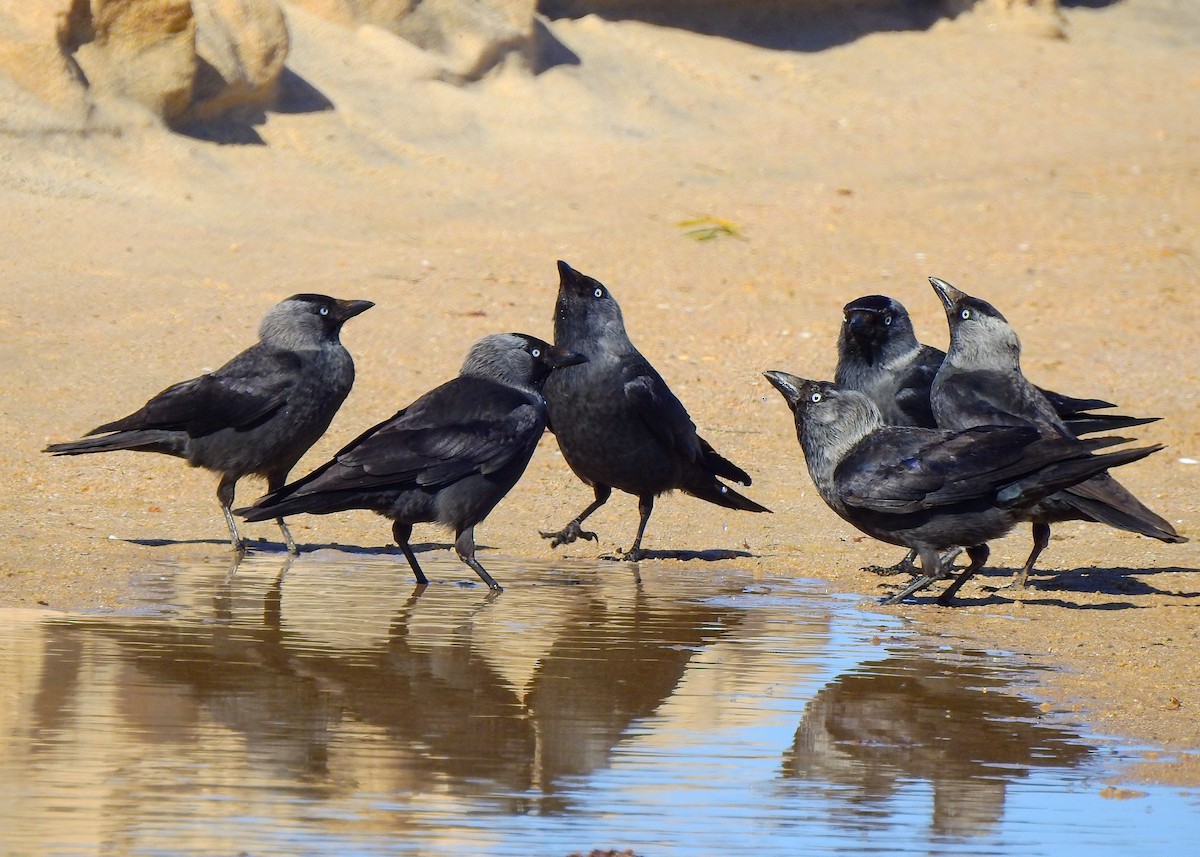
{"x": 139, "y": 50}
{"x": 470, "y": 37}
{"x": 241, "y": 46}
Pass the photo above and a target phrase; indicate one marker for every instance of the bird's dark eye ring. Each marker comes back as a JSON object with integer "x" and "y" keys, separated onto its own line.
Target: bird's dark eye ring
{"x": 324, "y": 310}
{"x": 599, "y": 293}
{"x": 536, "y": 352}
{"x": 965, "y": 314}
{"x": 816, "y": 396}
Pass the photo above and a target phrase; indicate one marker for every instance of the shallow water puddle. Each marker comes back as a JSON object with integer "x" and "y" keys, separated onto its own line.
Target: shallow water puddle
{"x": 333, "y": 709}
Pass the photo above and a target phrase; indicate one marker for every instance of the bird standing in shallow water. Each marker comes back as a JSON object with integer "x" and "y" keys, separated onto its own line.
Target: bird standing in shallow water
{"x": 618, "y": 424}
{"x": 447, "y": 458}
{"x": 256, "y": 415}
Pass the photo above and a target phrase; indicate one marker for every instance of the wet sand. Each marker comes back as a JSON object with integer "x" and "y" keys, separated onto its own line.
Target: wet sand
{"x": 1056, "y": 178}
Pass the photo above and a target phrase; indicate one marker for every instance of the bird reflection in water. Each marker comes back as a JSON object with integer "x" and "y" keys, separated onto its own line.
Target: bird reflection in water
{"x": 867, "y": 735}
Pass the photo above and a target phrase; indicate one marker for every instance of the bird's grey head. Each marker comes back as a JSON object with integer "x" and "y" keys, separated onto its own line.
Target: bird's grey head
{"x": 980, "y": 337}
{"x": 586, "y": 316}
{"x": 830, "y": 419}
{"x": 517, "y": 359}
{"x": 308, "y": 321}
{"x": 875, "y": 328}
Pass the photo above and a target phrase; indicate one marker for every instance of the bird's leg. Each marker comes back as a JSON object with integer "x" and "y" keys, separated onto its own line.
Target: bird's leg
{"x": 1041, "y": 538}
{"x": 573, "y": 530}
{"x": 465, "y": 545}
{"x": 402, "y": 532}
{"x": 931, "y": 567}
{"x": 274, "y": 483}
{"x": 645, "y": 507}
{"x": 225, "y": 498}
{"x": 288, "y": 541}
{"x": 978, "y": 555}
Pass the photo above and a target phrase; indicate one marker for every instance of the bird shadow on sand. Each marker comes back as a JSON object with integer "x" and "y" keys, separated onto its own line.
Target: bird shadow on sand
{"x": 1115, "y": 582}
{"x": 710, "y": 555}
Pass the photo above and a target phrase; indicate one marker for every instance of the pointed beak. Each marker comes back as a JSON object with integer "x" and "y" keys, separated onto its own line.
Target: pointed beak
{"x": 790, "y": 386}
{"x": 347, "y": 310}
{"x": 946, "y": 292}
{"x": 557, "y": 357}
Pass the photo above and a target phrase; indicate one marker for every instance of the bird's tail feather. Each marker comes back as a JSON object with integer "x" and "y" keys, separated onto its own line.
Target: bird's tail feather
{"x": 708, "y": 488}
{"x": 148, "y": 440}
{"x": 1065, "y": 474}
{"x": 283, "y": 503}
{"x": 1107, "y": 501}
{"x": 1080, "y": 424}
{"x": 721, "y": 465}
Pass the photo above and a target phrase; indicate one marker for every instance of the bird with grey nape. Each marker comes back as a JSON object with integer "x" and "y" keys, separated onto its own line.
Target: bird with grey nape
{"x": 256, "y": 415}
{"x": 617, "y": 422}
{"x": 879, "y": 355}
{"x": 447, "y": 458}
{"x": 932, "y": 489}
{"x": 981, "y": 383}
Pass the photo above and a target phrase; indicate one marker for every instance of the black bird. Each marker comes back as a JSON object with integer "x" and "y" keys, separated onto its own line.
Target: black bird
{"x": 932, "y": 489}
{"x": 618, "y": 424}
{"x": 879, "y": 355}
{"x": 257, "y": 414}
{"x": 981, "y": 383}
{"x": 448, "y": 458}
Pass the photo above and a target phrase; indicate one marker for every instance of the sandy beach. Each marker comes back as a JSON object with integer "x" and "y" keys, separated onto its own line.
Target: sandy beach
{"x": 1055, "y": 177}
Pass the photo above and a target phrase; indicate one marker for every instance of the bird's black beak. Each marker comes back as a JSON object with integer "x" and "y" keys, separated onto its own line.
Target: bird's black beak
{"x": 569, "y": 278}
{"x": 790, "y": 386}
{"x": 947, "y": 293}
{"x": 557, "y": 357}
{"x": 347, "y": 310}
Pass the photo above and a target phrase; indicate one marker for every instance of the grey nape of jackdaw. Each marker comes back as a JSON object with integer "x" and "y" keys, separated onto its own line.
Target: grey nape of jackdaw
{"x": 447, "y": 458}
{"x": 879, "y": 355}
{"x": 256, "y": 415}
{"x": 980, "y": 383}
{"x": 932, "y": 489}
{"x": 617, "y": 422}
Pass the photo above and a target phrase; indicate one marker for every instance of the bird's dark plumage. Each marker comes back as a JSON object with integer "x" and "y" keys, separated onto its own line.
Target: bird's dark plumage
{"x": 448, "y": 458}
{"x": 257, "y": 414}
{"x": 981, "y": 383}
{"x": 932, "y": 489}
{"x": 617, "y": 422}
{"x": 879, "y": 355}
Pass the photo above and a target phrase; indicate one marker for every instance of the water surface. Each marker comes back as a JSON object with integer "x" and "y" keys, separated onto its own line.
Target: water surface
{"x": 337, "y": 709}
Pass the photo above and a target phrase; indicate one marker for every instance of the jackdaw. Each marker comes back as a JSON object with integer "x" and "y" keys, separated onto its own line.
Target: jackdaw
{"x": 618, "y": 424}
{"x": 932, "y": 489}
{"x": 879, "y": 355}
{"x": 981, "y": 383}
{"x": 256, "y": 415}
{"x": 447, "y": 458}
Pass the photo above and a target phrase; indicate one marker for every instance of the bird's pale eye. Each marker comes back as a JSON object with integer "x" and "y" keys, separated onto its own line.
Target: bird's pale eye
{"x": 535, "y": 353}
{"x": 887, "y": 321}
{"x": 816, "y": 397}
{"x": 599, "y": 293}
{"x": 964, "y": 314}
{"x": 324, "y": 310}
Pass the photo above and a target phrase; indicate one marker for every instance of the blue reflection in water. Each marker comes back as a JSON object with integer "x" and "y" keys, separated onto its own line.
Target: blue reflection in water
{"x": 336, "y": 710}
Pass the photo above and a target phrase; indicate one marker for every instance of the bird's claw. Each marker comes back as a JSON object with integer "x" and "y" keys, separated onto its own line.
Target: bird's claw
{"x": 568, "y": 534}
{"x": 889, "y": 570}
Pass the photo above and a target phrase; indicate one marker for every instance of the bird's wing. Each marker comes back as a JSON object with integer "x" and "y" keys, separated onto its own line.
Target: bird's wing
{"x": 995, "y": 398}
{"x": 239, "y": 395}
{"x": 907, "y": 470}
{"x": 913, "y": 382}
{"x": 654, "y": 403}
{"x": 451, "y": 432}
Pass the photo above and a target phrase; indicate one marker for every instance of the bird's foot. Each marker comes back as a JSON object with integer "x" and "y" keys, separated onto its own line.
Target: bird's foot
{"x": 901, "y": 567}
{"x": 568, "y": 534}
